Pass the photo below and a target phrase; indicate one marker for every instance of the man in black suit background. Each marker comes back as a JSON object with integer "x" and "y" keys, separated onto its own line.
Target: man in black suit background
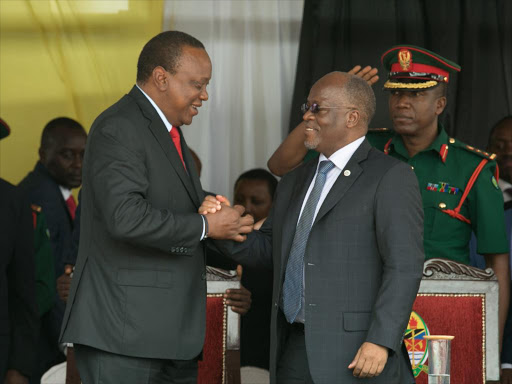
{"x": 19, "y": 320}
{"x": 136, "y": 309}
{"x": 49, "y": 185}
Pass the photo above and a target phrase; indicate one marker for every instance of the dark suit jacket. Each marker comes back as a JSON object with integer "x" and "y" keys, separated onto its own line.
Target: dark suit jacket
{"x": 363, "y": 264}
{"x": 139, "y": 286}
{"x": 42, "y": 190}
{"x": 19, "y": 319}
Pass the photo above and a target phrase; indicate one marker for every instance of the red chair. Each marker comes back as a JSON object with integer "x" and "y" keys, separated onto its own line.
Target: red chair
{"x": 462, "y": 301}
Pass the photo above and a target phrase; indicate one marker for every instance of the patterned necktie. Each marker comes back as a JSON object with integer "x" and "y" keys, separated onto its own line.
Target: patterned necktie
{"x": 293, "y": 281}
{"x": 71, "y": 203}
{"x": 175, "y": 136}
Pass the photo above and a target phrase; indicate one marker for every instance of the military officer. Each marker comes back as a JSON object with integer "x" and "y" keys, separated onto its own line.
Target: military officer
{"x": 458, "y": 182}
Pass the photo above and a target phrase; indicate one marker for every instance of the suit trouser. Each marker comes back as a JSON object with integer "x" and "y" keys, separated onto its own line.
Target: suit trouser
{"x": 293, "y": 366}
{"x": 100, "y": 367}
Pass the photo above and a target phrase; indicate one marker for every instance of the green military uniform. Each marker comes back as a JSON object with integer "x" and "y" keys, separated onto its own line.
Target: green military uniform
{"x": 444, "y": 170}
{"x": 45, "y": 270}
{"x": 458, "y": 183}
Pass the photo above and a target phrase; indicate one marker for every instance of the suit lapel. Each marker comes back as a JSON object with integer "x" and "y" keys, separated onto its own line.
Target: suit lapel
{"x": 343, "y": 183}
{"x": 191, "y": 168}
{"x": 303, "y": 180}
{"x": 163, "y": 138}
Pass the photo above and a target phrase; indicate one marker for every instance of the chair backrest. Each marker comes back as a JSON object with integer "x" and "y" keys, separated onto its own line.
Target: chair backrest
{"x": 221, "y": 352}
{"x": 462, "y": 301}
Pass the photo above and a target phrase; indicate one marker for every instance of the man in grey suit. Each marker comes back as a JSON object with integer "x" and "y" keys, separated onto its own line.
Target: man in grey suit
{"x": 136, "y": 310}
{"x": 346, "y": 236}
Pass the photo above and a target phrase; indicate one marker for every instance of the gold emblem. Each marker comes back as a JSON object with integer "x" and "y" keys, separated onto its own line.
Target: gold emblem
{"x": 404, "y": 58}
{"x": 442, "y": 205}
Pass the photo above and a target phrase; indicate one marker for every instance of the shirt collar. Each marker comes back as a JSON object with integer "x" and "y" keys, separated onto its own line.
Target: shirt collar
{"x": 341, "y": 157}
{"x": 158, "y": 110}
{"x": 437, "y": 145}
{"x": 65, "y": 192}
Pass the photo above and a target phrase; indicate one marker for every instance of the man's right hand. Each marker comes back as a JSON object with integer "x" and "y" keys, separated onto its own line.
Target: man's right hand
{"x": 64, "y": 283}
{"x": 229, "y": 224}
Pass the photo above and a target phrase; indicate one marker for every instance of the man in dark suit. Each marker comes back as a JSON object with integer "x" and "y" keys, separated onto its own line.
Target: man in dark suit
{"x": 136, "y": 309}
{"x": 346, "y": 236}
{"x": 49, "y": 186}
{"x": 19, "y": 320}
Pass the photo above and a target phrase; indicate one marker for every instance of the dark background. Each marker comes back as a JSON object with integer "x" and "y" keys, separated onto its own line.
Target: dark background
{"x": 476, "y": 34}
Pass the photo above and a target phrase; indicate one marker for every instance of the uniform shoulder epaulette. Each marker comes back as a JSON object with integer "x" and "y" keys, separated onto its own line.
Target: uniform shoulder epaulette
{"x": 476, "y": 151}
{"x": 36, "y": 208}
{"x": 377, "y": 130}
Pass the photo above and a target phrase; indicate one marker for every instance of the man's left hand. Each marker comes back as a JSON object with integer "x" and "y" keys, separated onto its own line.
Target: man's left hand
{"x": 369, "y": 361}
{"x": 14, "y": 377}
{"x": 239, "y": 299}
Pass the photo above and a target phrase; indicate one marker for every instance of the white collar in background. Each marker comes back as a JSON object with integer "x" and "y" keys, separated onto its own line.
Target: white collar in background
{"x": 158, "y": 110}
{"x": 65, "y": 192}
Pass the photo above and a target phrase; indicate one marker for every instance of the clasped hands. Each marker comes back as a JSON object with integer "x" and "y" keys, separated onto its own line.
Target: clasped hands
{"x": 226, "y": 222}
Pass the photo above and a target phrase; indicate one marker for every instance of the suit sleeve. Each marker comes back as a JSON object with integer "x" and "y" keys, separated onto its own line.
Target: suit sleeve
{"x": 23, "y": 314}
{"x": 255, "y": 252}
{"x": 399, "y": 230}
{"x": 120, "y": 183}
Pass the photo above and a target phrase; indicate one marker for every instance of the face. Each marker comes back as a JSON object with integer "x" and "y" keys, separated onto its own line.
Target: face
{"x": 324, "y": 129}
{"x": 501, "y": 145}
{"x": 415, "y": 112}
{"x": 254, "y": 195}
{"x": 63, "y": 159}
{"x": 185, "y": 91}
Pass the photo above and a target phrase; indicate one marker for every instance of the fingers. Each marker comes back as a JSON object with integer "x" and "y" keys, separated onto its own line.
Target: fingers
{"x": 224, "y": 200}
{"x": 354, "y": 70}
{"x": 68, "y": 269}
{"x": 240, "y": 209}
{"x": 239, "y": 299}
{"x": 354, "y": 362}
{"x": 369, "y": 361}
{"x": 239, "y": 270}
{"x": 210, "y": 205}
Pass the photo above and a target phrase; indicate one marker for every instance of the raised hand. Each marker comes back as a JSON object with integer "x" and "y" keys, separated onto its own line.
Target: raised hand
{"x": 368, "y": 74}
{"x": 229, "y": 224}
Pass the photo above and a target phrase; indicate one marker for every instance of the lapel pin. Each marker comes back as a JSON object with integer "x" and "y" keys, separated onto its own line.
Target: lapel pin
{"x": 346, "y": 172}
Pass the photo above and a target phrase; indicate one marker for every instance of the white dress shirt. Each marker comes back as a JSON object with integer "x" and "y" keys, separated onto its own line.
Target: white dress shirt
{"x": 340, "y": 159}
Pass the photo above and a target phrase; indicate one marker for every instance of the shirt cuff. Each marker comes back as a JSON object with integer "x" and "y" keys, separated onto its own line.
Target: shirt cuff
{"x": 205, "y": 225}
{"x": 506, "y": 366}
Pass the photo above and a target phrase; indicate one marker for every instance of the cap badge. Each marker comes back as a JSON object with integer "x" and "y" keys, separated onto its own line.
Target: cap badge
{"x": 405, "y": 59}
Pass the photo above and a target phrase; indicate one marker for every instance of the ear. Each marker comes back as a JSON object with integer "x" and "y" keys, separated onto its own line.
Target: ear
{"x": 440, "y": 105}
{"x": 353, "y": 118}
{"x": 160, "y": 78}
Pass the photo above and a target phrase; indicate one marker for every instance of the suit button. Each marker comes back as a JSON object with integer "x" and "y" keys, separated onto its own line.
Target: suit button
{"x": 186, "y": 249}
{"x": 173, "y": 249}
{"x": 275, "y": 305}
{"x": 203, "y": 276}
{"x": 181, "y": 249}
{"x": 442, "y": 205}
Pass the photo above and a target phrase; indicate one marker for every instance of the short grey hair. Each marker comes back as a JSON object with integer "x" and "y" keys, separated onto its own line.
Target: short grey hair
{"x": 358, "y": 93}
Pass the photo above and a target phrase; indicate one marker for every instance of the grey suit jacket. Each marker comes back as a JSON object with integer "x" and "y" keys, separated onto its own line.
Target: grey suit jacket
{"x": 139, "y": 286}
{"x": 363, "y": 264}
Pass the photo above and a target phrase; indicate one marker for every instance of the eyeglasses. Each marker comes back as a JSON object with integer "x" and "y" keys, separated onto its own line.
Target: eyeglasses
{"x": 315, "y": 108}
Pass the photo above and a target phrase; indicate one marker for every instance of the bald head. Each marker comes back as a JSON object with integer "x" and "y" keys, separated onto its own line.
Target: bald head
{"x": 353, "y": 91}
{"x": 340, "y": 107}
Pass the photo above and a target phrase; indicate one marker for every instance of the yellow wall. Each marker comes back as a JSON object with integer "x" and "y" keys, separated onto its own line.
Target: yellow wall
{"x": 65, "y": 58}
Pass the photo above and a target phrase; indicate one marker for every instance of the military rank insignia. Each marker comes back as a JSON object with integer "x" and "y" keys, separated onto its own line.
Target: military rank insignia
{"x": 442, "y": 187}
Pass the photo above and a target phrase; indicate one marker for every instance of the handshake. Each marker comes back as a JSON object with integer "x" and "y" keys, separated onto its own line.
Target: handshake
{"x": 226, "y": 222}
